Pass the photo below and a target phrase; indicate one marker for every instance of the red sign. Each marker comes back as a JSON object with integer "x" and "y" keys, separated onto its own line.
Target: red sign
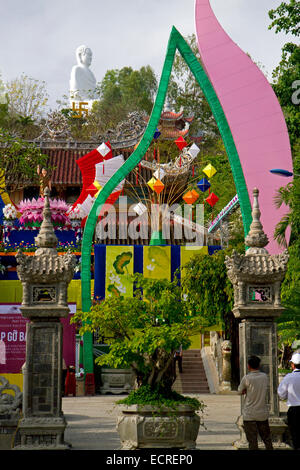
{"x": 13, "y": 339}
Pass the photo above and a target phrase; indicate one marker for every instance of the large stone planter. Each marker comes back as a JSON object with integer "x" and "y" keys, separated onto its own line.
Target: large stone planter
{"x": 145, "y": 426}
{"x": 117, "y": 381}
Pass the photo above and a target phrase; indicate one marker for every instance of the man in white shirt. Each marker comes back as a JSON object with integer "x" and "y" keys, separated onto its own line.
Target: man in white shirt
{"x": 289, "y": 389}
{"x": 255, "y": 411}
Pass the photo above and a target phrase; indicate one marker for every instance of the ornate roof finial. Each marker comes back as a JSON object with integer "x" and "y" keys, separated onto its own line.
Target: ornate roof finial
{"x": 46, "y": 237}
{"x": 256, "y": 238}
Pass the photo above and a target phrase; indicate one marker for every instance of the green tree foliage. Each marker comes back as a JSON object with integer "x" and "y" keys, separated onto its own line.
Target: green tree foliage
{"x": 286, "y": 80}
{"x": 27, "y": 97}
{"x": 18, "y": 162}
{"x": 286, "y": 84}
{"x": 207, "y": 286}
{"x": 145, "y": 330}
{"x": 185, "y": 93}
{"x": 123, "y": 91}
{"x": 286, "y": 17}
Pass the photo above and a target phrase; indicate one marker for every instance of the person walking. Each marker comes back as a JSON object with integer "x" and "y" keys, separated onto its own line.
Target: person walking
{"x": 289, "y": 390}
{"x": 254, "y": 386}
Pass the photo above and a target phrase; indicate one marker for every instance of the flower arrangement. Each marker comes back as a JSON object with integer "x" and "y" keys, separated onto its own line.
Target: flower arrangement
{"x": 31, "y": 247}
{"x": 9, "y": 212}
{"x": 32, "y": 212}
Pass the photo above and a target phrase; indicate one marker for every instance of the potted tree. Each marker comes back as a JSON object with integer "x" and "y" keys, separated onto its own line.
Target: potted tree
{"x": 144, "y": 331}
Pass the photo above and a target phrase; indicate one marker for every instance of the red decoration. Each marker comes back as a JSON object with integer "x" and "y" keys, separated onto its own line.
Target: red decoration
{"x": 180, "y": 142}
{"x": 212, "y": 199}
{"x": 87, "y": 167}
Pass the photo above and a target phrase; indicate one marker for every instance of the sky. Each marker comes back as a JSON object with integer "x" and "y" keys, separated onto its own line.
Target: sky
{"x": 39, "y": 37}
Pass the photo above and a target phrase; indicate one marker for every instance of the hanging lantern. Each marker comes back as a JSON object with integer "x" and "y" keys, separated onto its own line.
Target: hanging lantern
{"x": 180, "y": 142}
{"x": 159, "y": 174}
{"x": 209, "y": 170}
{"x": 190, "y": 197}
{"x": 158, "y": 186}
{"x": 212, "y": 199}
{"x": 156, "y": 134}
{"x": 104, "y": 149}
{"x": 193, "y": 151}
{"x": 195, "y": 194}
{"x": 203, "y": 185}
{"x": 151, "y": 183}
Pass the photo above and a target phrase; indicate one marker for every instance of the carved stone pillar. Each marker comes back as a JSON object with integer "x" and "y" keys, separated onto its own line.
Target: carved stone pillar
{"x": 256, "y": 278}
{"x": 45, "y": 278}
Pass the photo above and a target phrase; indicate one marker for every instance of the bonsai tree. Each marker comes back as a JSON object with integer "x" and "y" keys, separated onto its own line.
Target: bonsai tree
{"x": 143, "y": 332}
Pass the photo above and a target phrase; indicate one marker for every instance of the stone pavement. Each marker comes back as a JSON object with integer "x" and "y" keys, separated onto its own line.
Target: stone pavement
{"x": 92, "y": 422}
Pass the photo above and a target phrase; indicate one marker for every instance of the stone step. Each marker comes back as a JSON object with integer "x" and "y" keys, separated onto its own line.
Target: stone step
{"x": 193, "y": 378}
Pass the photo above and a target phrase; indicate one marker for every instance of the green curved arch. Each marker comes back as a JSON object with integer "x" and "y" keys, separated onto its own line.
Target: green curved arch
{"x": 176, "y": 41}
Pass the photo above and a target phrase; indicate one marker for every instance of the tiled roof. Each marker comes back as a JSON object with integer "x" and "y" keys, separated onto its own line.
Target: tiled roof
{"x": 171, "y": 115}
{"x": 174, "y": 133}
{"x": 65, "y": 169}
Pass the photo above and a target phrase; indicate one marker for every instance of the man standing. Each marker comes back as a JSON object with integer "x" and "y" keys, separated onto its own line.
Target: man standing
{"x": 254, "y": 386}
{"x": 289, "y": 389}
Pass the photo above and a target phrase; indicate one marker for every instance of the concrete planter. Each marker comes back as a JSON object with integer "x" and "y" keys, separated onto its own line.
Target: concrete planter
{"x": 117, "y": 381}
{"x": 145, "y": 426}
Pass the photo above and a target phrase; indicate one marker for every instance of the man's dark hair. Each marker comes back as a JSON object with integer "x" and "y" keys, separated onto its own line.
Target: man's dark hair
{"x": 254, "y": 362}
{"x": 297, "y": 366}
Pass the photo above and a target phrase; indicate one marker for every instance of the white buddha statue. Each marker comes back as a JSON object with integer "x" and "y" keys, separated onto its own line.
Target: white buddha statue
{"x": 82, "y": 81}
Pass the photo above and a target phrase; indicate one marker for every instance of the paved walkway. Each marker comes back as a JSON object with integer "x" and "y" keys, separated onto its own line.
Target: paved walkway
{"x": 92, "y": 422}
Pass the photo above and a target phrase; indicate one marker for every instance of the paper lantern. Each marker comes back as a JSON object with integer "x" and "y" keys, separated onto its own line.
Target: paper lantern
{"x": 180, "y": 142}
{"x": 158, "y": 186}
{"x": 156, "y": 134}
{"x": 190, "y": 197}
{"x": 103, "y": 149}
{"x": 140, "y": 208}
{"x": 212, "y": 199}
{"x": 151, "y": 183}
{"x": 193, "y": 151}
{"x": 195, "y": 194}
{"x": 209, "y": 170}
{"x": 203, "y": 185}
{"x": 159, "y": 174}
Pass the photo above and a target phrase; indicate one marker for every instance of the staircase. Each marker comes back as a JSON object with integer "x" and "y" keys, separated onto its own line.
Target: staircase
{"x": 193, "y": 378}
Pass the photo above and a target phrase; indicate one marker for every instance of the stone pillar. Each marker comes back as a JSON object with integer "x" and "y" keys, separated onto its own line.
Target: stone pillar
{"x": 256, "y": 278}
{"x": 45, "y": 278}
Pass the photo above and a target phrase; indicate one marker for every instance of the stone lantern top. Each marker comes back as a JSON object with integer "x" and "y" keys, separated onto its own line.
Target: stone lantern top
{"x": 256, "y": 238}
{"x": 257, "y": 263}
{"x": 256, "y": 276}
{"x": 46, "y": 266}
{"x": 46, "y": 241}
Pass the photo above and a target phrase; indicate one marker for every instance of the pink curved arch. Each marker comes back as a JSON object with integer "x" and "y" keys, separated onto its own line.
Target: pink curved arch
{"x": 253, "y": 113}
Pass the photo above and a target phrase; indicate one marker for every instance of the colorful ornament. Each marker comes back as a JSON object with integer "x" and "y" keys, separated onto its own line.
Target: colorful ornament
{"x": 203, "y": 185}
{"x": 159, "y": 174}
{"x": 190, "y": 197}
{"x": 193, "y": 151}
{"x": 180, "y": 142}
{"x": 195, "y": 194}
{"x": 156, "y": 134}
{"x": 151, "y": 183}
{"x": 209, "y": 170}
{"x": 158, "y": 186}
{"x": 212, "y": 199}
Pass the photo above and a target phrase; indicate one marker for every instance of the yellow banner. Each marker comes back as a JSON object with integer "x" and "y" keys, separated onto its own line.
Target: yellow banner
{"x": 119, "y": 266}
{"x": 157, "y": 262}
{"x": 186, "y": 254}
